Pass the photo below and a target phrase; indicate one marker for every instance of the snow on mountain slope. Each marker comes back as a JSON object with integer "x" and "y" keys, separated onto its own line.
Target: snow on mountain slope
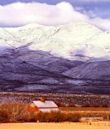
{"x": 91, "y": 70}
{"x": 73, "y": 41}
{"x": 47, "y": 58}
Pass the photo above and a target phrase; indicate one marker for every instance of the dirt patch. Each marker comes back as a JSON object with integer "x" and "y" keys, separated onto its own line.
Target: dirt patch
{"x": 98, "y": 125}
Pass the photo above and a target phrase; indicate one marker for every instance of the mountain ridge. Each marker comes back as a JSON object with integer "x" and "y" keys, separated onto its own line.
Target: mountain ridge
{"x": 73, "y": 58}
{"x": 64, "y": 41}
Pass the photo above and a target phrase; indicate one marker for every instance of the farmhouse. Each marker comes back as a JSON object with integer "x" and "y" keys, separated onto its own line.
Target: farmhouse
{"x": 43, "y": 106}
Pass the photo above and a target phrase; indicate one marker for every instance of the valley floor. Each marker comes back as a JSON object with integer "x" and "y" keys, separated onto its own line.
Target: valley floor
{"x": 97, "y": 125}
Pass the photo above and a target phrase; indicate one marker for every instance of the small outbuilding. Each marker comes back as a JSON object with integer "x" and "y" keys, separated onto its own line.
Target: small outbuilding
{"x": 43, "y": 106}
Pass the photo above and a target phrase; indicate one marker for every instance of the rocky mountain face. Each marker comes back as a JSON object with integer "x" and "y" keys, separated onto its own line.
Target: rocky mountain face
{"x": 99, "y": 70}
{"x": 33, "y": 70}
{"x": 71, "y": 58}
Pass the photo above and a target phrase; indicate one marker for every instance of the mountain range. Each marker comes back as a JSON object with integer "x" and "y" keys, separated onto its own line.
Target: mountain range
{"x": 71, "y": 58}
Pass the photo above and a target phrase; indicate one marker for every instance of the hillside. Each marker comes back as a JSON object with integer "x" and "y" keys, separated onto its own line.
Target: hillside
{"x": 70, "y": 58}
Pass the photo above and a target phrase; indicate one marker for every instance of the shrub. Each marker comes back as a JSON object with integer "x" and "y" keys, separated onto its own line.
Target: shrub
{"x": 3, "y": 116}
{"x": 16, "y": 113}
{"x": 57, "y": 117}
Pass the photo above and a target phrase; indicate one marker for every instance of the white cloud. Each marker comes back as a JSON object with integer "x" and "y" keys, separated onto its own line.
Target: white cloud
{"x": 17, "y": 14}
{"x": 102, "y": 23}
{"x": 24, "y": 13}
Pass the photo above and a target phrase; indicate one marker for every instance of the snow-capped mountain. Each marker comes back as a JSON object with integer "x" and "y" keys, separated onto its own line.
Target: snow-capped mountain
{"x": 75, "y": 40}
{"x": 67, "y": 58}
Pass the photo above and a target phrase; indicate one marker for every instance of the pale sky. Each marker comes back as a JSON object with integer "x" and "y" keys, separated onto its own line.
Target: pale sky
{"x": 13, "y": 13}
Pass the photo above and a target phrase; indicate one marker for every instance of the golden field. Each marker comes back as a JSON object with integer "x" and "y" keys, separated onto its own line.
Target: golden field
{"x": 97, "y": 125}
{"x": 18, "y": 113}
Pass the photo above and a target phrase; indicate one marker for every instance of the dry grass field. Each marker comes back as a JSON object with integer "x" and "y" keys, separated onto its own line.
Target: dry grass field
{"x": 86, "y": 110}
{"x": 20, "y": 113}
{"x": 14, "y": 107}
{"x": 98, "y": 125}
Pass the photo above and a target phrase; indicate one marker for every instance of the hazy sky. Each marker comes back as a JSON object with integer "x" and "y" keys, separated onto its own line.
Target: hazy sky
{"x": 99, "y": 10}
{"x": 99, "y": 7}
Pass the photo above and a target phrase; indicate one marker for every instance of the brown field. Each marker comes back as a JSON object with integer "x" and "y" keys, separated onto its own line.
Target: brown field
{"x": 93, "y": 109}
{"x": 20, "y": 113}
{"x": 86, "y": 110}
{"x": 98, "y": 125}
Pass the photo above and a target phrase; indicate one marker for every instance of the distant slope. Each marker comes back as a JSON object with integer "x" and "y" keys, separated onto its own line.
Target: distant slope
{"x": 19, "y": 68}
{"x": 72, "y": 58}
{"x": 99, "y": 70}
{"x": 67, "y": 41}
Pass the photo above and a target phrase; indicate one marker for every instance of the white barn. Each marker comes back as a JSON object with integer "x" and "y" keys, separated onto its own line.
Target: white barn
{"x": 46, "y": 106}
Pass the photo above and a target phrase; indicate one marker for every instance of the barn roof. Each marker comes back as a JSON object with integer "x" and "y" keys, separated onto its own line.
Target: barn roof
{"x": 46, "y": 106}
